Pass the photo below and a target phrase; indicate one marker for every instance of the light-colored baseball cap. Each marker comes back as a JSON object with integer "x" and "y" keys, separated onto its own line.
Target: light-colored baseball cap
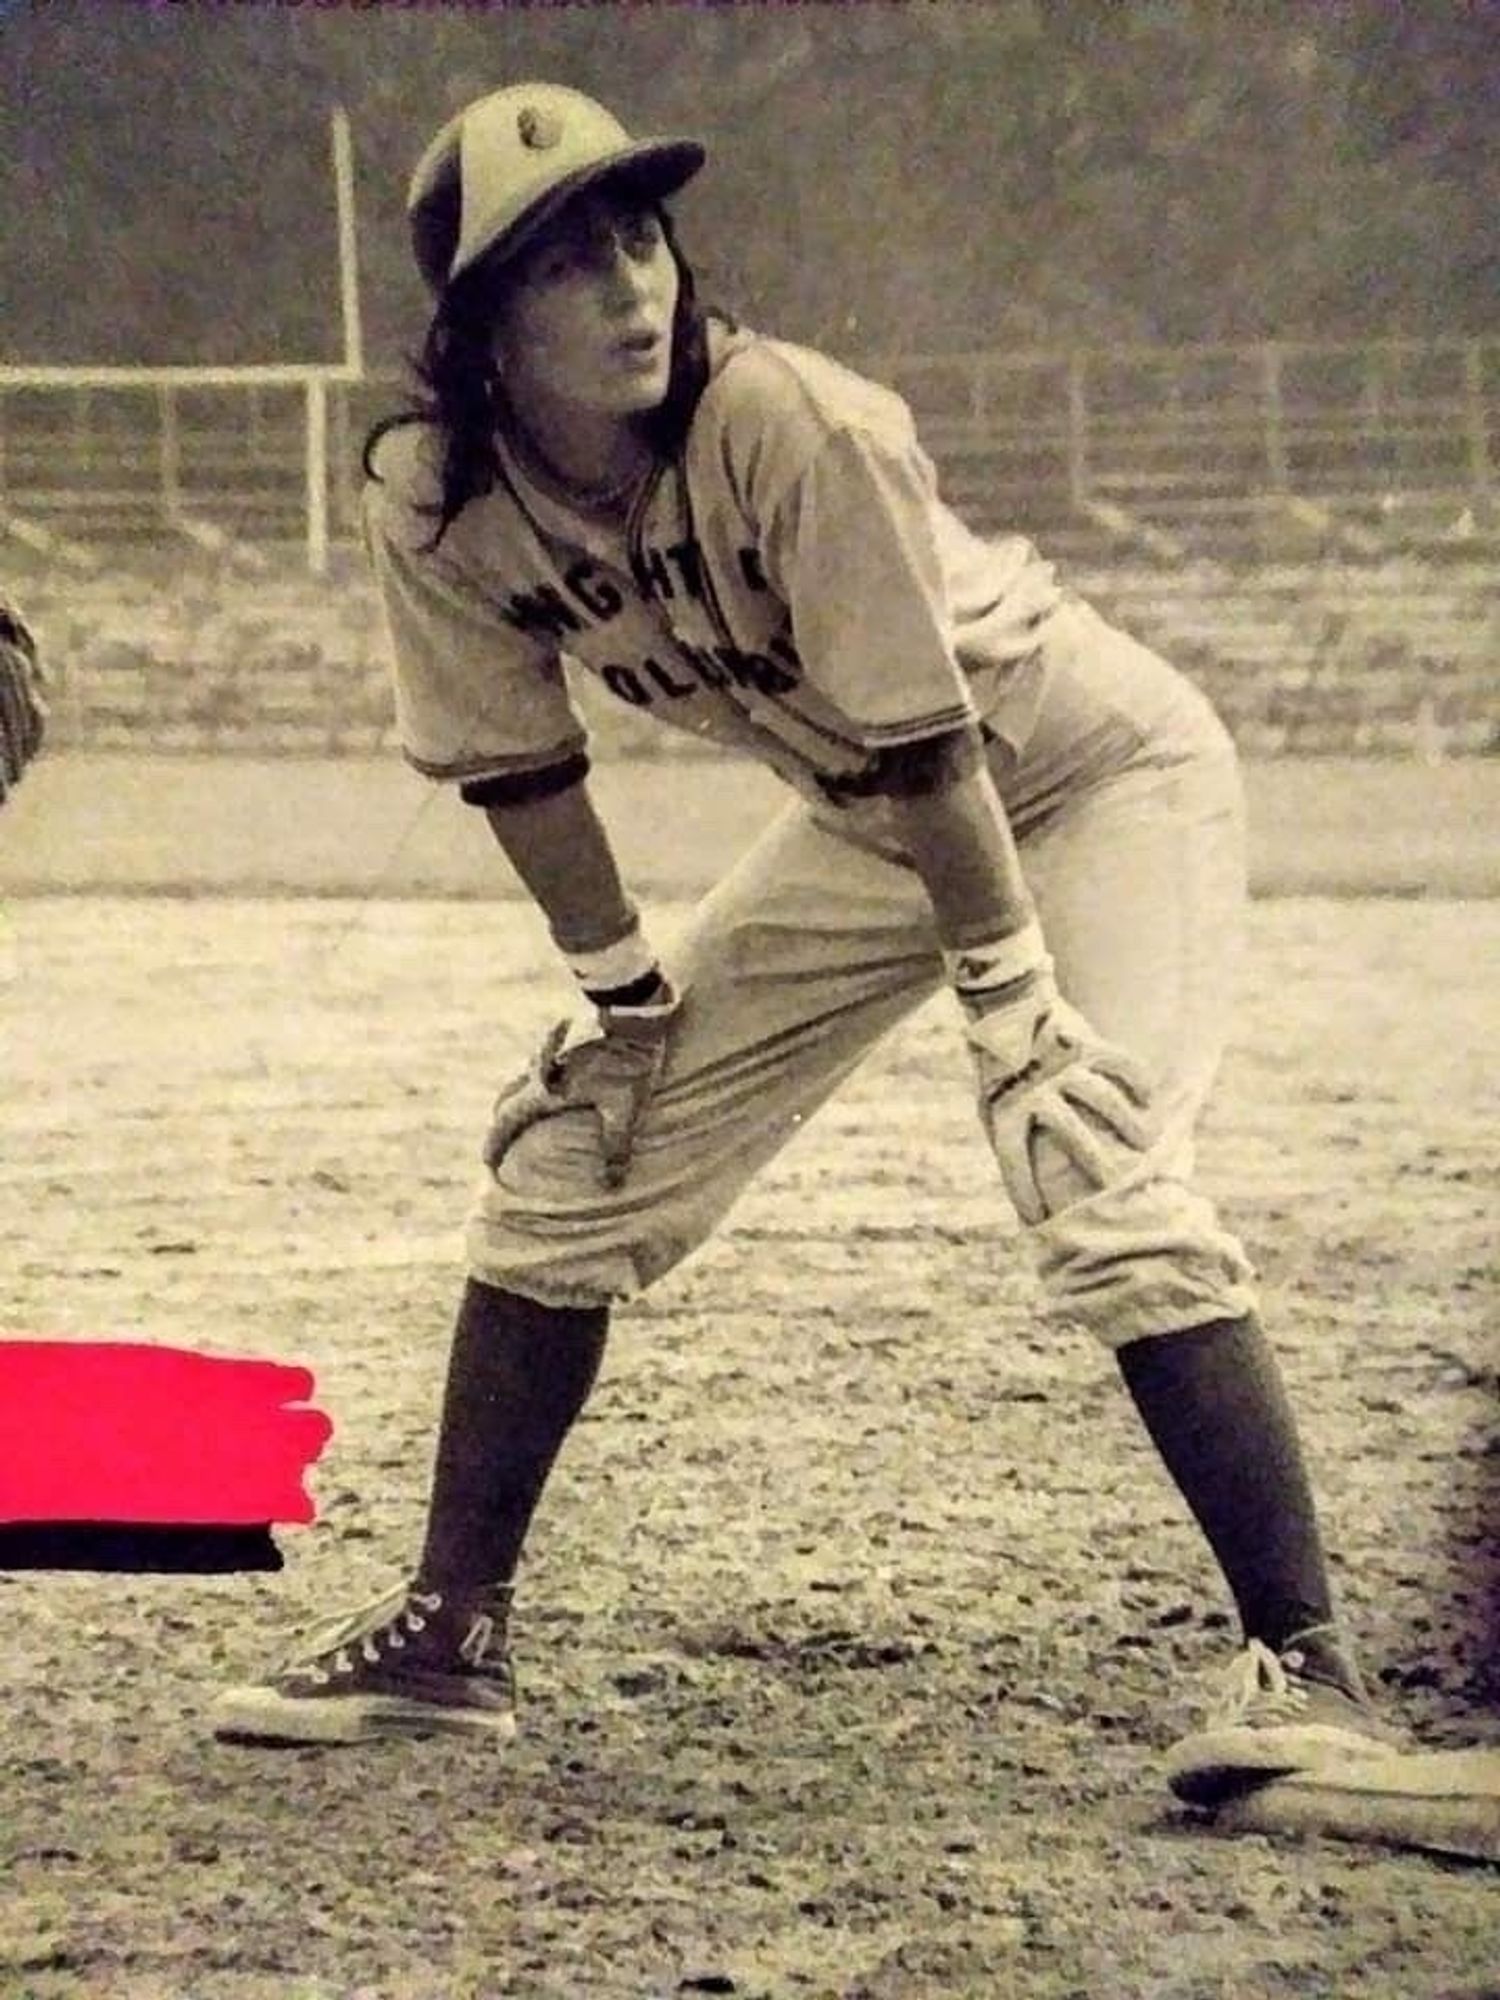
{"x": 501, "y": 167}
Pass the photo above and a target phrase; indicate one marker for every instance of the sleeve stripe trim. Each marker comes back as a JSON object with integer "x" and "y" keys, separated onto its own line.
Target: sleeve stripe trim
{"x": 914, "y": 729}
{"x": 497, "y": 767}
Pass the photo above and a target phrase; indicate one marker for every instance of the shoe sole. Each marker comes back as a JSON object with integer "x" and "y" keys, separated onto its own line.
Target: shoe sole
{"x": 1217, "y": 1765}
{"x": 260, "y": 1716}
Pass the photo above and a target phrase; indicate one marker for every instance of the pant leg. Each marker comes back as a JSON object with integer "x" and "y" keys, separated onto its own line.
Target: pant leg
{"x": 804, "y": 956}
{"x": 814, "y": 947}
{"x": 1141, "y": 889}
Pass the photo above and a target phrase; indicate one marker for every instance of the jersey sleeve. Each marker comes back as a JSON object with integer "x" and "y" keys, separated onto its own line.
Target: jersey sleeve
{"x": 852, "y": 547}
{"x": 475, "y": 697}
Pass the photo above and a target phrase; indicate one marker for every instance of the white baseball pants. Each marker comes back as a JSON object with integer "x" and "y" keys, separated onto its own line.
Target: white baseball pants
{"x": 818, "y": 943}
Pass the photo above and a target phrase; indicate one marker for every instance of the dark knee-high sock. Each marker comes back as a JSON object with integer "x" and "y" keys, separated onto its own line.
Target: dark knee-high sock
{"x": 518, "y": 1375}
{"x": 1213, "y": 1401}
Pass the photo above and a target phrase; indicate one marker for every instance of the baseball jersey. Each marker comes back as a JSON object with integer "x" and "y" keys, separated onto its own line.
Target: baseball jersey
{"x": 792, "y": 586}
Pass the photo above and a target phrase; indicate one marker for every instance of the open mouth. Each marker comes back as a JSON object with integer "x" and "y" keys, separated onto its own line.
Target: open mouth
{"x": 639, "y": 346}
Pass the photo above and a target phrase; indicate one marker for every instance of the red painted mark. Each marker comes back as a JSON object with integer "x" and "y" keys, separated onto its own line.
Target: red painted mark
{"x": 118, "y": 1431}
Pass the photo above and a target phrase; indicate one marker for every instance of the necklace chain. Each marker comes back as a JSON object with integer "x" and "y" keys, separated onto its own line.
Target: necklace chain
{"x": 592, "y": 498}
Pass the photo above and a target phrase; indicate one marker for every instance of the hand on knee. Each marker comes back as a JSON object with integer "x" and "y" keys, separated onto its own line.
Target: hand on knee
{"x": 610, "y": 1074}
{"x": 1075, "y": 1120}
{"x": 1067, "y": 1113}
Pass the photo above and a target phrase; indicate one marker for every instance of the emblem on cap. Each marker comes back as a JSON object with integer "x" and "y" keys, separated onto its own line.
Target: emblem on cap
{"x": 539, "y": 130}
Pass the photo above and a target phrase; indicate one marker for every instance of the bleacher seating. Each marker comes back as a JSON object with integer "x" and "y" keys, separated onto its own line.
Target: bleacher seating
{"x": 1328, "y": 658}
{"x": 1390, "y": 657}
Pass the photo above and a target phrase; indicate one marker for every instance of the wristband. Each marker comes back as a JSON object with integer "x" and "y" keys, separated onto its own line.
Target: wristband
{"x": 645, "y": 995}
{"x": 985, "y": 968}
{"x": 624, "y": 963}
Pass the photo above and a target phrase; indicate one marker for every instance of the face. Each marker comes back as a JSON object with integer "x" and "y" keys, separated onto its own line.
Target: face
{"x": 586, "y": 323}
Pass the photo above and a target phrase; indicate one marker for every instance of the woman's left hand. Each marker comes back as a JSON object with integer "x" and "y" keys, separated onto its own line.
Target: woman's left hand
{"x": 1067, "y": 1113}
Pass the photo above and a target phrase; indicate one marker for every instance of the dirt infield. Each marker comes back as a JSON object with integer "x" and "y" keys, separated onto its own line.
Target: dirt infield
{"x": 106, "y": 821}
{"x": 859, "y": 1610}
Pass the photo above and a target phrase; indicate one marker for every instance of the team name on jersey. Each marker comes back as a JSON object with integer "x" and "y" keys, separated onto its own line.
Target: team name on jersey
{"x": 591, "y": 598}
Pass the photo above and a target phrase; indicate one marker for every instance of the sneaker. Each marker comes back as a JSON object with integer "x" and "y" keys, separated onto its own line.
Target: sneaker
{"x": 411, "y": 1664}
{"x": 1275, "y": 1717}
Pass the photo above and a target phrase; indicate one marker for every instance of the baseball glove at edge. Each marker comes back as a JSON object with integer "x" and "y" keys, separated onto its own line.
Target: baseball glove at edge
{"x": 23, "y": 706}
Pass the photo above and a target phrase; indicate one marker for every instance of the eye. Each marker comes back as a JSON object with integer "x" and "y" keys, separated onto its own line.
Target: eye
{"x": 558, "y": 261}
{"x": 640, "y": 232}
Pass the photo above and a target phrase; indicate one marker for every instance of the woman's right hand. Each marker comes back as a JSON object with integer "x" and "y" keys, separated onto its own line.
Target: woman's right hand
{"x": 611, "y": 1073}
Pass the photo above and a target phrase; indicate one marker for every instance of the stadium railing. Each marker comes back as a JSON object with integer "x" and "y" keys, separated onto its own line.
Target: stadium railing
{"x": 1146, "y": 446}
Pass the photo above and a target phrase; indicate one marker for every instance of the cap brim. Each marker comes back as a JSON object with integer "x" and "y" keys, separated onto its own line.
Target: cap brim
{"x": 651, "y": 168}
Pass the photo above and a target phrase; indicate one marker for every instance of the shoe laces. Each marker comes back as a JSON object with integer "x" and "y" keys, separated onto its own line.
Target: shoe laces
{"x": 1262, "y": 1686}
{"x": 387, "y": 1625}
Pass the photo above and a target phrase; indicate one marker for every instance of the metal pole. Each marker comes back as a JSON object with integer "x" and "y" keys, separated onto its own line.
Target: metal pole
{"x": 1276, "y": 460}
{"x": 1481, "y": 472}
{"x": 1078, "y": 471}
{"x": 317, "y": 475}
{"x": 82, "y": 435}
{"x": 169, "y": 452}
{"x": 341, "y": 477}
{"x": 343, "y": 188}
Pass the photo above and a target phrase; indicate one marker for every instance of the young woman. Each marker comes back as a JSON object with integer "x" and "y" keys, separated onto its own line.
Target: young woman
{"x": 994, "y": 789}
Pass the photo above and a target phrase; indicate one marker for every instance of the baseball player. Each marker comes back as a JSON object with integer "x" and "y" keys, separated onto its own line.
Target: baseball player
{"x": 23, "y": 709}
{"x": 990, "y": 789}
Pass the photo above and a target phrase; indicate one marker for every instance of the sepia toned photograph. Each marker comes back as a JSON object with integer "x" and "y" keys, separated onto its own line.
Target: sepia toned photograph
{"x": 749, "y": 782}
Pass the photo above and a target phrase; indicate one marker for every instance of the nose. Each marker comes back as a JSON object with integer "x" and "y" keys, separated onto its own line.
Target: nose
{"x": 627, "y": 282}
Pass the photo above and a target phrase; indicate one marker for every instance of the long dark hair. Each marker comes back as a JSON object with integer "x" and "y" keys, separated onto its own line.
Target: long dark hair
{"x": 457, "y": 390}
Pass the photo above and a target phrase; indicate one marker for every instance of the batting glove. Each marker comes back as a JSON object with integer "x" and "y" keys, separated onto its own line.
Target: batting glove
{"x": 1067, "y": 1114}
{"x": 613, "y": 1074}
{"x": 23, "y": 709}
